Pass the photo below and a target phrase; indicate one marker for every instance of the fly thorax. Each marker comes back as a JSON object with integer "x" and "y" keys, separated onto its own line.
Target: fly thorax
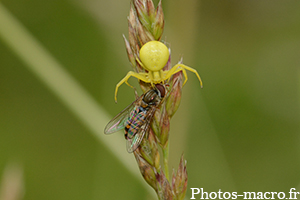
{"x": 150, "y": 97}
{"x": 144, "y": 106}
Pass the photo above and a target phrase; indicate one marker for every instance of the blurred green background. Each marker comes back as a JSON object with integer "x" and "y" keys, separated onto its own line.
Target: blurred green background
{"x": 239, "y": 133}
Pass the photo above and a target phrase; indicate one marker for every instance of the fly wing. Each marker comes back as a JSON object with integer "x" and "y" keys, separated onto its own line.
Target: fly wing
{"x": 118, "y": 122}
{"x": 135, "y": 141}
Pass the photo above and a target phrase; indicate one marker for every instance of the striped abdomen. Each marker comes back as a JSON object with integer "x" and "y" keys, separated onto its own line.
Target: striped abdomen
{"x": 135, "y": 121}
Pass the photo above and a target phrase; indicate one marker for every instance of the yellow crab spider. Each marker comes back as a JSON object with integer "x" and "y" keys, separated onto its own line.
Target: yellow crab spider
{"x": 154, "y": 55}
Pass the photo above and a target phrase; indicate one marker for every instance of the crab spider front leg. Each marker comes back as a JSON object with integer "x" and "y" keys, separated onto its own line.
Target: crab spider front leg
{"x": 183, "y": 68}
{"x": 140, "y": 76}
{"x": 174, "y": 70}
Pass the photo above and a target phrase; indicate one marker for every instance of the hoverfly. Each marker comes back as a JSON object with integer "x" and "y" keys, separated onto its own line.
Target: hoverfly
{"x": 135, "y": 119}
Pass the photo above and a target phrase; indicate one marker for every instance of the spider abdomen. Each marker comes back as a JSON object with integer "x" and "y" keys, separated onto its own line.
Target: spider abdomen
{"x": 154, "y": 55}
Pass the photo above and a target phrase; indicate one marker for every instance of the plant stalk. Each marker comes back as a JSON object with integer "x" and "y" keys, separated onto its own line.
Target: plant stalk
{"x": 166, "y": 160}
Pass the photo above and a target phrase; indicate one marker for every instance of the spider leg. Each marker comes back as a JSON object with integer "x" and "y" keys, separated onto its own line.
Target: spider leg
{"x": 140, "y": 76}
{"x": 173, "y": 71}
{"x": 180, "y": 67}
{"x": 140, "y": 62}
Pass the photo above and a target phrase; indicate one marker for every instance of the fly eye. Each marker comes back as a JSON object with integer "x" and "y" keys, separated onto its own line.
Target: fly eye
{"x": 161, "y": 89}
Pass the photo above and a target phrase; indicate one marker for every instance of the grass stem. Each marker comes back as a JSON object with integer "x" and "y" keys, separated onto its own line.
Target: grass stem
{"x": 41, "y": 63}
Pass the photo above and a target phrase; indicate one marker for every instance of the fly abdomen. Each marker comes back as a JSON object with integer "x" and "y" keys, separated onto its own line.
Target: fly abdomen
{"x": 135, "y": 121}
